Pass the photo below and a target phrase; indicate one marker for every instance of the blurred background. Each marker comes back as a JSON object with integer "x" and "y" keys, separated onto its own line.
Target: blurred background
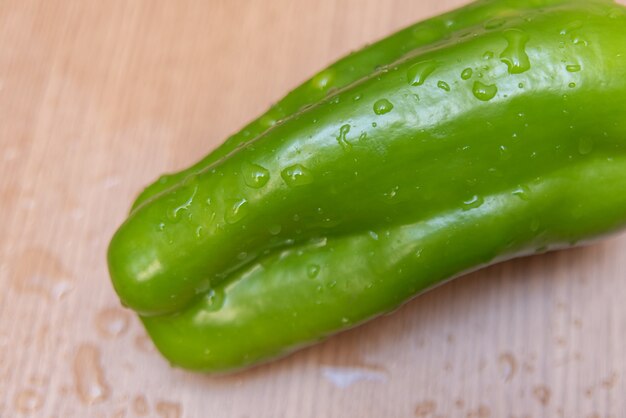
{"x": 98, "y": 98}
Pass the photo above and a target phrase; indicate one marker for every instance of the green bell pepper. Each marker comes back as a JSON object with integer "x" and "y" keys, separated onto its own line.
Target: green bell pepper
{"x": 498, "y": 137}
{"x": 355, "y": 66}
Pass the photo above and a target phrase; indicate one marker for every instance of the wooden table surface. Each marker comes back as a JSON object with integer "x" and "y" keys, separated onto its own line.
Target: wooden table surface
{"x": 97, "y": 98}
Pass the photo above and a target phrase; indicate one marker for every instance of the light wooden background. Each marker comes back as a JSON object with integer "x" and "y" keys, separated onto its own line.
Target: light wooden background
{"x": 97, "y": 98}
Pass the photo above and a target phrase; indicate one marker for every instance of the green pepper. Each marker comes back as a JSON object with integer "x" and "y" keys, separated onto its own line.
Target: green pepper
{"x": 355, "y": 66}
{"x": 504, "y": 138}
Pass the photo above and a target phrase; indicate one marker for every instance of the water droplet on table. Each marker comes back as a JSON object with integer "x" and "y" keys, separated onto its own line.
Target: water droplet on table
{"x": 89, "y": 380}
{"x": 28, "y": 401}
{"x": 112, "y": 322}
{"x": 140, "y": 405}
{"x": 166, "y": 409}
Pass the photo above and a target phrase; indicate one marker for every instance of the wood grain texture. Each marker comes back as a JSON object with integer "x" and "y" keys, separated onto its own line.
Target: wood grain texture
{"x": 97, "y": 98}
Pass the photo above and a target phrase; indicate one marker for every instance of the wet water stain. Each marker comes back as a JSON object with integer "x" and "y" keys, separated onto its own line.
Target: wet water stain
{"x": 355, "y": 361}
{"x": 481, "y": 412}
{"x": 89, "y": 380}
{"x": 28, "y": 401}
{"x": 39, "y": 381}
{"x": 144, "y": 343}
{"x": 425, "y": 408}
{"x": 140, "y": 405}
{"x": 38, "y": 271}
{"x": 112, "y": 322}
{"x": 119, "y": 414}
{"x": 344, "y": 377}
{"x": 610, "y": 382}
{"x": 542, "y": 394}
{"x": 166, "y": 409}
{"x": 507, "y": 365}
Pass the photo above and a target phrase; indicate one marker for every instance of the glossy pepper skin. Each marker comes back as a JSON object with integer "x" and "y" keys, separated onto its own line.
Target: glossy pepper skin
{"x": 505, "y": 138}
{"x": 353, "y": 67}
